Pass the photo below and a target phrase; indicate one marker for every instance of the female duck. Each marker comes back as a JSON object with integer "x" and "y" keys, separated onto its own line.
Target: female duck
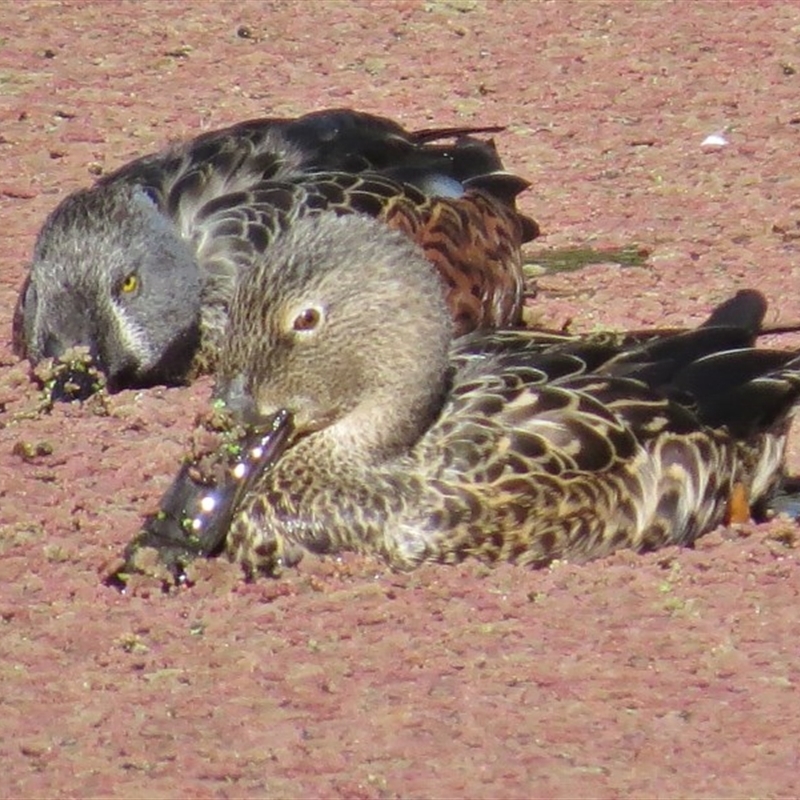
{"x": 518, "y": 446}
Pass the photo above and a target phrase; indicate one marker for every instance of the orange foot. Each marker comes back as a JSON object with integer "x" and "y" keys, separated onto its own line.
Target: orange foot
{"x": 738, "y": 505}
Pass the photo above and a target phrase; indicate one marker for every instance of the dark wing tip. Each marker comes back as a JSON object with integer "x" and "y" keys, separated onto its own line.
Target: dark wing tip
{"x": 745, "y": 310}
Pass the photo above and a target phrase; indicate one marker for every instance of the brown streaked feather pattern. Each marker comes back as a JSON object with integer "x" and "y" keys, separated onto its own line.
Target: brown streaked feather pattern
{"x": 512, "y": 446}
{"x": 474, "y": 242}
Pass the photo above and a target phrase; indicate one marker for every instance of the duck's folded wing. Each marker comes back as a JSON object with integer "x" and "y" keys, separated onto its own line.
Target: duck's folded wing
{"x": 243, "y": 155}
{"x": 540, "y": 402}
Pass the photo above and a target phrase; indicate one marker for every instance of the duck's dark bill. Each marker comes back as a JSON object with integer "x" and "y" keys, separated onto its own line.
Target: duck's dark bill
{"x": 73, "y": 375}
{"x": 196, "y": 511}
{"x": 72, "y": 385}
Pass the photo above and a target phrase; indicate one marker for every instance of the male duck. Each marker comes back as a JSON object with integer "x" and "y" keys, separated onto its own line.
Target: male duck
{"x": 140, "y": 268}
{"x": 518, "y": 446}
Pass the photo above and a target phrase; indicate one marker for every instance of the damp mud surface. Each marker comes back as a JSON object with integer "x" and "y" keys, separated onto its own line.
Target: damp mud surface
{"x": 673, "y": 674}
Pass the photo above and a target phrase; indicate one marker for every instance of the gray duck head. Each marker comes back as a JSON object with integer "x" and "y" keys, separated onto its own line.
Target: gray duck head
{"x": 344, "y": 325}
{"x": 111, "y": 273}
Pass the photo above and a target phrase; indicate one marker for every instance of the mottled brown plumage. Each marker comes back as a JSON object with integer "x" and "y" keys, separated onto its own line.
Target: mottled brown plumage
{"x": 141, "y": 267}
{"x": 517, "y": 446}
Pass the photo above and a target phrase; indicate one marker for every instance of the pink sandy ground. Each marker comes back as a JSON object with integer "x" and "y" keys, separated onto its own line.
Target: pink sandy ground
{"x": 671, "y": 675}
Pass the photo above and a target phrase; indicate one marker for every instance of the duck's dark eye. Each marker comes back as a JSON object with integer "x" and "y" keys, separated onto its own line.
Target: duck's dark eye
{"x": 307, "y": 319}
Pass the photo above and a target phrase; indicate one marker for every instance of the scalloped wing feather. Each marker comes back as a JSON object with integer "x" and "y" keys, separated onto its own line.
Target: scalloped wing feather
{"x": 550, "y": 459}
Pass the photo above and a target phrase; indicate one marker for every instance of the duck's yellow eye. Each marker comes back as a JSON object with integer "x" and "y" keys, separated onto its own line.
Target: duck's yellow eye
{"x": 130, "y": 284}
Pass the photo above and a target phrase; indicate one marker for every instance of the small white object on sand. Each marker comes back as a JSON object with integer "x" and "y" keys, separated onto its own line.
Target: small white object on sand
{"x": 714, "y": 140}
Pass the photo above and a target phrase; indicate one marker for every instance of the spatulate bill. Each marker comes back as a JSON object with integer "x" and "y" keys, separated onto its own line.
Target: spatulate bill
{"x": 196, "y": 511}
